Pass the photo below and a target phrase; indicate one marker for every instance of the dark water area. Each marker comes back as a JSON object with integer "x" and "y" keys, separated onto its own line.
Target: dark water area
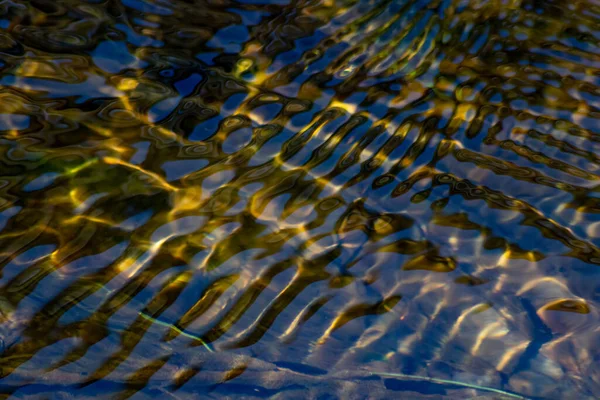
{"x": 312, "y": 199}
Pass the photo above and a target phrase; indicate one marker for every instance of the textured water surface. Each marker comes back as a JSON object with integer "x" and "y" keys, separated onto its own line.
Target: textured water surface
{"x": 299, "y": 199}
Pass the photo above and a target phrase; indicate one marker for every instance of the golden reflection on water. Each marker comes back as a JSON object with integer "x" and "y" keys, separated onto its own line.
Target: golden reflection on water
{"x": 368, "y": 199}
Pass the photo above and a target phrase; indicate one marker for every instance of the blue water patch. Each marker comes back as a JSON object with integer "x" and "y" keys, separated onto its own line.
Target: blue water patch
{"x": 186, "y": 86}
{"x": 141, "y": 153}
{"x": 144, "y": 22}
{"x": 237, "y": 140}
{"x": 229, "y": 39}
{"x": 233, "y": 102}
{"x": 206, "y": 129}
{"x": 146, "y": 7}
{"x": 95, "y": 86}
{"x": 7, "y": 214}
{"x": 9, "y": 122}
{"x": 249, "y": 17}
{"x": 136, "y": 221}
{"x": 54, "y": 283}
{"x": 24, "y": 260}
{"x": 207, "y": 56}
{"x": 41, "y": 182}
{"x": 137, "y": 39}
{"x": 179, "y": 168}
{"x": 179, "y": 227}
{"x": 162, "y": 109}
{"x": 114, "y": 57}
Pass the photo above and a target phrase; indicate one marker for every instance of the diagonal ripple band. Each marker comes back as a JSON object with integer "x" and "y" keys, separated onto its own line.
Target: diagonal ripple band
{"x": 299, "y": 198}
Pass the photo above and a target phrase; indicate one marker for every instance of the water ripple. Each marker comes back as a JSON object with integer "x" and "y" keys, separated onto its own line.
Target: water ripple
{"x": 257, "y": 198}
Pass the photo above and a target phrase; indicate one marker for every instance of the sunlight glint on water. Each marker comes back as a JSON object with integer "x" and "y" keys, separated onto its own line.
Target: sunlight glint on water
{"x": 315, "y": 199}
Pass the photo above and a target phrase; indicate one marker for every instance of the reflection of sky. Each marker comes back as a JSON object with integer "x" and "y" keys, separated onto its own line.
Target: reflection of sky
{"x": 229, "y": 39}
{"x": 94, "y": 86}
{"x": 113, "y": 57}
{"x": 148, "y": 7}
{"x": 13, "y": 121}
{"x": 180, "y": 219}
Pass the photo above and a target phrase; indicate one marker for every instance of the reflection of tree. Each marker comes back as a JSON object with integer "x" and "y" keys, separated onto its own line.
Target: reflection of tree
{"x": 335, "y": 225}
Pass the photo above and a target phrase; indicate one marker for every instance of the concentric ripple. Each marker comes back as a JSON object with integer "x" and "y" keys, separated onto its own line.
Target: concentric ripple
{"x": 299, "y": 198}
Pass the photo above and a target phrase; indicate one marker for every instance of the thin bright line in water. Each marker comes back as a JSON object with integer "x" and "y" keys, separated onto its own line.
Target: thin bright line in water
{"x": 446, "y": 381}
{"x": 181, "y": 332}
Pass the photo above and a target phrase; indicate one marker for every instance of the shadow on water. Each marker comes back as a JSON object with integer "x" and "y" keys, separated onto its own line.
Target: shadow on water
{"x": 299, "y": 198}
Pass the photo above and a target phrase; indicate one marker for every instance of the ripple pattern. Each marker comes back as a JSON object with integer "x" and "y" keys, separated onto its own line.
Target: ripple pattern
{"x": 299, "y": 198}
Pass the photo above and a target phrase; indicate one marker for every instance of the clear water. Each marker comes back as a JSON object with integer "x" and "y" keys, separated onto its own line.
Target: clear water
{"x": 299, "y": 199}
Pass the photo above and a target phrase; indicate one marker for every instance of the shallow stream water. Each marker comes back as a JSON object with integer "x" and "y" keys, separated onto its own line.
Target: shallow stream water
{"x": 393, "y": 199}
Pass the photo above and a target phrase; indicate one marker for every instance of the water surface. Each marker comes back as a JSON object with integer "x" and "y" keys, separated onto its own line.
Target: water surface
{"x": 299, "y": 199}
